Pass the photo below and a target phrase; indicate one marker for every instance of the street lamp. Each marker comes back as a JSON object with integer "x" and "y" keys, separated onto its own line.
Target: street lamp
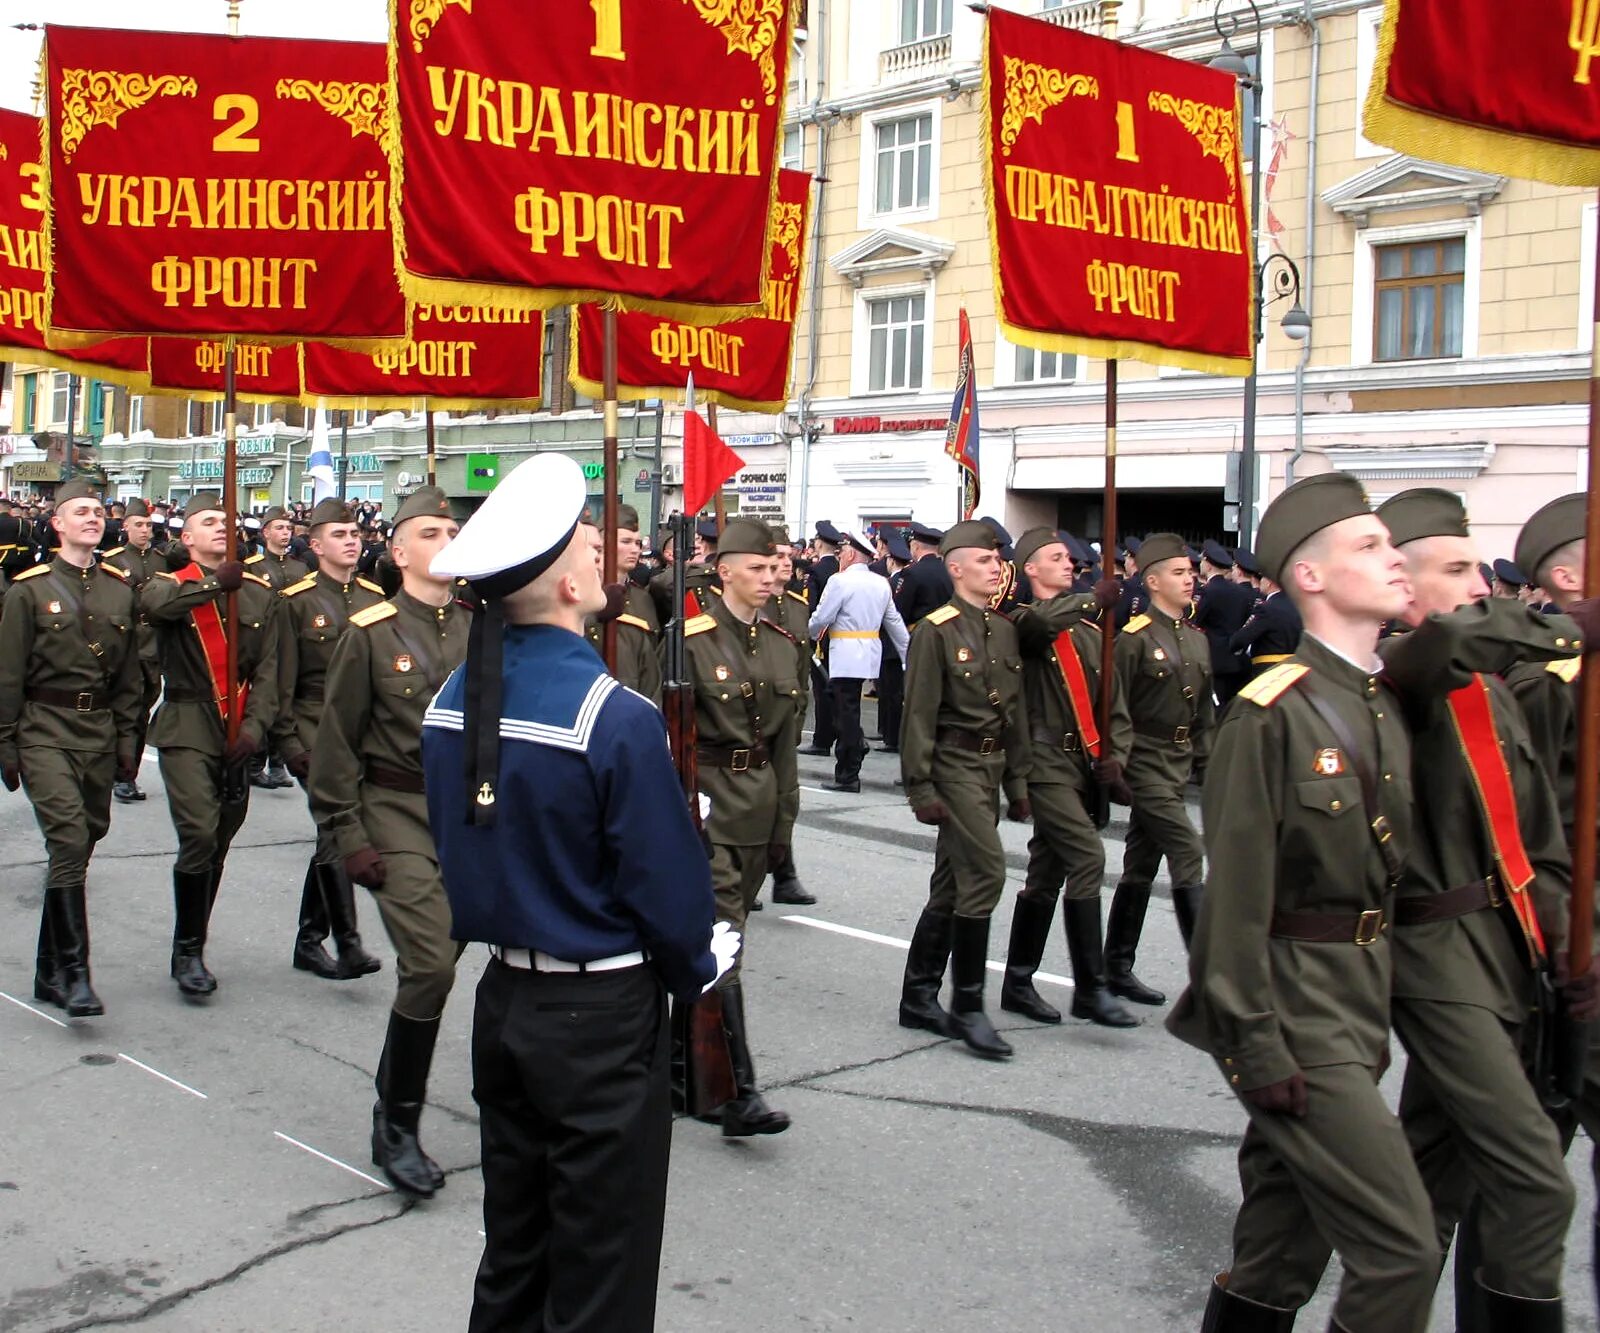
{"x": 1296, "y": 323}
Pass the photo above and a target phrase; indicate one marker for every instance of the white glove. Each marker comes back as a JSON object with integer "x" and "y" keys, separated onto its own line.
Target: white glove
{"x": 705, "y": 806}
{"x": 725, "y": 942}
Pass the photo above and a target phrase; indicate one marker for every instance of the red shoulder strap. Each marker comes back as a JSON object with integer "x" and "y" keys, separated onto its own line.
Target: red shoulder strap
{"x": 1076, "y": 682}
{"x": 207, "y": 621}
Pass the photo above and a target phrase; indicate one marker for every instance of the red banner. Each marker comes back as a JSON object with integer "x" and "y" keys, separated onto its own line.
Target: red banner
{"x": 596, "y": 151}
{"x": 193, "y": 368}
{"x": 22, "y": 245}
{"x": 744, "y": 363}
{"x": 458, "y": 358}
{"x": 1470, "y": 82}
{"x": 209, "y": 186}
{"x": 1116, "y": 199}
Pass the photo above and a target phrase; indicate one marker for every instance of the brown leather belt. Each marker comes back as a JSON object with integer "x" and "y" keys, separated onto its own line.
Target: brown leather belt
{"x": 1450, "y": 904}
{"x": 1363, "y": 928}
{"x": 737, "y": 760}
{"x": 394, "y": 779}
{"x": 81, "y": 701}
{"x": 974, "y": 741}
{"x": 1171, "y": 735}
{"x": 1067, "y": 742}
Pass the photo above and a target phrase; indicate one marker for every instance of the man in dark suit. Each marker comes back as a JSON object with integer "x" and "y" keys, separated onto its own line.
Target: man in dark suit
{"x": 824, "y": 733}
{"x": 926, "y": 585}
{"x": 1221, "y": 610}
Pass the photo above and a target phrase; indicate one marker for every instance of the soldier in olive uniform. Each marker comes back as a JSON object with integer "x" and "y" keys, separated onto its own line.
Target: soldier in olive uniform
{"x": 312, "y": 614}
{"x": 139, "y": 560}
{"x": 1163, "y": 668}
{"x": 69, "y": 705}
{"x": 1071, "y": 759}
{"x": 1481, "y": 909}
{"x": 748, "y": 718}
{"x": 1551, "y": 549}
{"x": 366, "y": 792}
{"x": 790, "y": 611}
{"x": 281, "y": 569}
{"x": 638, "y": 632}
{"x": 207, "y": 791}
{"x": 1307, "y": 826}
{"x": 964, "y": 736}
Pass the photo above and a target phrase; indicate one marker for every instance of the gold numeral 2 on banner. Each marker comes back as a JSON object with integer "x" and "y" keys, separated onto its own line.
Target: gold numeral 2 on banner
{"x": 1127, "y": 150}
{"x": 607, "y": 30}
{"x": 235, "y": 138}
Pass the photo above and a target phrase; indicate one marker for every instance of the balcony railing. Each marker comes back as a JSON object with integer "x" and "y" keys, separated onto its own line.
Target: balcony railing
{"x": 915, "y": 59}
{"x": 1083, "y": 16}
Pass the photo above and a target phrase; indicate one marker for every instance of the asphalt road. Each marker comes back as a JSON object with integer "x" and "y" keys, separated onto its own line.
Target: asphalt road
{"x": 187, "y": 1167}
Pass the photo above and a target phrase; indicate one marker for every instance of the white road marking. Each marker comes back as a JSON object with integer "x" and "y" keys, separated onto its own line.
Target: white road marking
{"x": 872, "y": 937}
{"x": 165, "y": 1078}
{"x": 334, "y": 1161}
{"x": 48, "y": 1018}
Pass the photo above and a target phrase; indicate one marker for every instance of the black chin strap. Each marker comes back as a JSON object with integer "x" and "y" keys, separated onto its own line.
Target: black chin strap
{"x": 481, "y": 725}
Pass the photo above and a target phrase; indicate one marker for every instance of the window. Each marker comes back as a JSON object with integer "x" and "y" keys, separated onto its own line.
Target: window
{"x": 260, "y": 415}
{"x": 903, "y": 171}
{"x": 921, "y": 19}
{"x": 1419, "y": 300}
{"x": 202, "y": 417}
{"x": 1250, "y": 103}
{"x": 359, "y": 417}
{"x": 897, "y": 337}
{"x": 135, "y": 414}
{"x": 30, "y": 403}
{"x": 1035, "y": 367}
{"x": 61, "y": 397}
{"x": 794, "y": 147}
{"x": 1368, "y": 24}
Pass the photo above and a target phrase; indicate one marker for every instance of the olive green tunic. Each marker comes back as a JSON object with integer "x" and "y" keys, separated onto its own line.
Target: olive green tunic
{"x": 281, "y": 571}
{"x": 790, "y": 610}
{"x": 312, "y": 615}
{"x": 638, "y": 644}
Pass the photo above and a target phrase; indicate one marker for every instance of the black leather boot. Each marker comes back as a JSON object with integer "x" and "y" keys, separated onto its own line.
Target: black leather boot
{"x": 403, "y": 1089}
{"x": 338, "y": 894}
{"x": 1124, "y": 925}
{"x": 748, "y": 1114}
{"x": 1090, "y": 998}
{"x": 1030, "y": 928}
{"x": 69, "y": 927}
{"x": 1186, "y": 900}
{"x": 191, "y": 901}
{"x": 1520, "y": 1314}
{"x": 46, "y": 979}
{"x": 1227, "y": 1313}
{"x": 786, "y": 885}
{"x": 310, "y": 955}
{"x": 925, "y": 965}
{"x": 969, "y": 957}
{"x": 258, "y": 771}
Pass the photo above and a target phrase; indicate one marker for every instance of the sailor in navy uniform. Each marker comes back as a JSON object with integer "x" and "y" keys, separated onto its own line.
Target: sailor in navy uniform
{"x": 594, "y": 892}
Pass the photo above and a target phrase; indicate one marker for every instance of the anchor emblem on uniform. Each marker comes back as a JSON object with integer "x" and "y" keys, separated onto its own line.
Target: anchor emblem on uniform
{"x": 486, "y": 794}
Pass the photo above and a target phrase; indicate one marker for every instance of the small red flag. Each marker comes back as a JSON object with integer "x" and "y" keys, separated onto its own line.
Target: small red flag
{"x": 707, "y": 463}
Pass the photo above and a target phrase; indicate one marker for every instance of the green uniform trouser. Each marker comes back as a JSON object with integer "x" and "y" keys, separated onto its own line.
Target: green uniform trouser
{"x": 204, "y": 823}
{"x": 1340, "y": 1179}
{"x": 71, "y": 795}
{"x": 737, "y": 874}
{"x": 1065, "y": 845}
{"x": 416, "y": 914}
{"x": 152, "y": 696}
{"x": 969, "y": 862}
{"x": 1159, "y": 826}
{"x": 1476, "y": 1125}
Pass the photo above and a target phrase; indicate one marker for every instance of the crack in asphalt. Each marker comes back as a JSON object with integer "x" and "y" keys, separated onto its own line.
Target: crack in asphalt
{"x": 800, "y": 1080}
{"x": 459, "y": 1116}
{"x": 176, "y": 1298}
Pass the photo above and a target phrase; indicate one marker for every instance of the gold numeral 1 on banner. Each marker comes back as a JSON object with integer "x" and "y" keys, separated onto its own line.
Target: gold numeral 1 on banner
{"x": 607, "y": 30}
{"x": 1127, "y": 150}
{"x": 33, "y": 197}
{"x": 236, "y": 138}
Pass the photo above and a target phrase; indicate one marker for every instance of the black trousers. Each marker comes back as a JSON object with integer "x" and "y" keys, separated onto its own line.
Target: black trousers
{"x": 569, "y": 1072}
{"x": 824, "y": 729}
{"x": 891, "y": 696}
{"x": 852, "y": 745}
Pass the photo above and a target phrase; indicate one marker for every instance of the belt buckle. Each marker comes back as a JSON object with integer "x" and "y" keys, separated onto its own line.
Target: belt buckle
{"x": 740, "y": 762}
{"x": 1491, "y": 885}
{"x": 1369, "y": 927}
{"x": 1069, "y": 742}
{"x": 986, "y": 745}
{"x": 1181, "y": 736}
{"x": 85, "y": 701}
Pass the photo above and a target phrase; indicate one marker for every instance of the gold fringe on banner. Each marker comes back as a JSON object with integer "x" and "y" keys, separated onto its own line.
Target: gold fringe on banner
{"x": 137, "y": 380}
{"x": 1438, "y": 138}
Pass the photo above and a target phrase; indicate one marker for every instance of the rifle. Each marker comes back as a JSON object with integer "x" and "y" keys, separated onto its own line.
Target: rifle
{"x": 699, "y": 1040}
